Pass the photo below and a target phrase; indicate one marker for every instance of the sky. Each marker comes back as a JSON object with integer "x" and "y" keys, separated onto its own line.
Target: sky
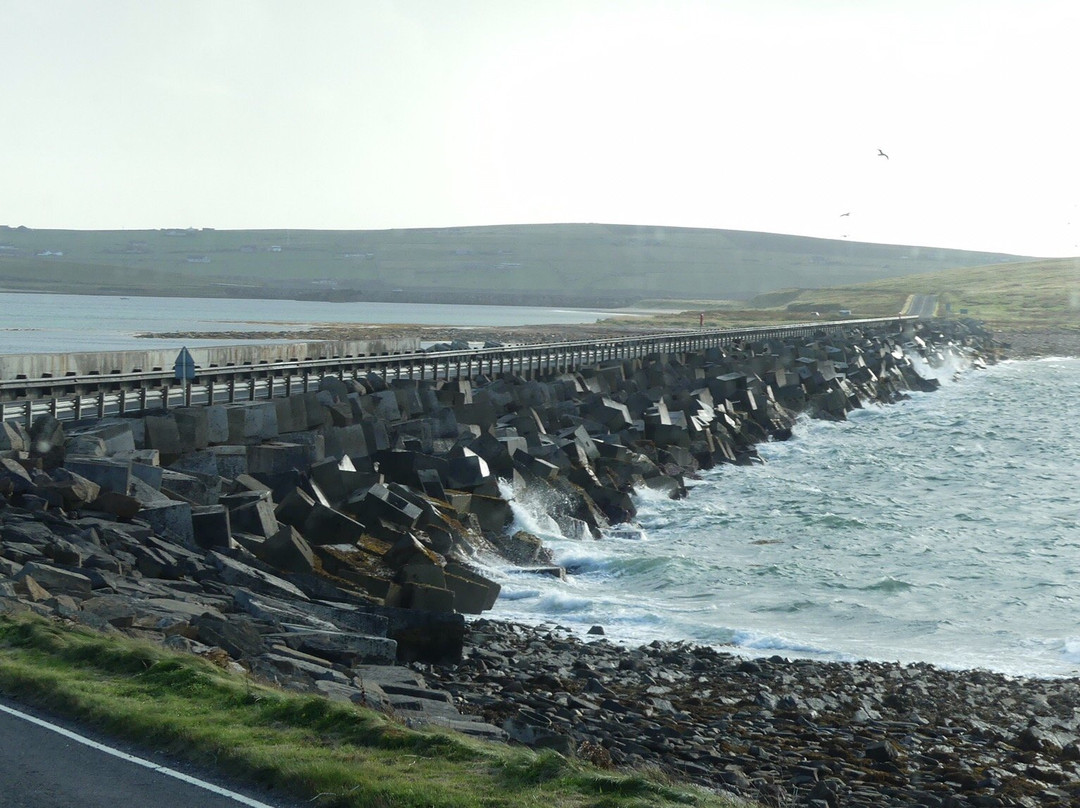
{"x": 766, "y": 115}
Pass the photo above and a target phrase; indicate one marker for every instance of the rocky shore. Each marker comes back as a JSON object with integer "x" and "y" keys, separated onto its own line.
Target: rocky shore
{"x": 327, "y": 542}
{"x": 783, "y": 732}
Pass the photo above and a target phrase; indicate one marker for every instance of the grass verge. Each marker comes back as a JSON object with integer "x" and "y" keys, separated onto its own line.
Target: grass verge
{"x": 332, "y": 754}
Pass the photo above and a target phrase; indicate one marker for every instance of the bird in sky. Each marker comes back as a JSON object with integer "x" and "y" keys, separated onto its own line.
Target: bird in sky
{"x": 880, "y": 153}
{"x": 845, "y": 214}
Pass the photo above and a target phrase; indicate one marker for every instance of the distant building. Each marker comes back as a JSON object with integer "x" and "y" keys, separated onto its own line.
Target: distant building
{"x": 275, "y": 248}
{"x": 198, "y": 259}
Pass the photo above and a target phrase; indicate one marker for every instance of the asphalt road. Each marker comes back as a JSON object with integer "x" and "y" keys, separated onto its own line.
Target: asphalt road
{"x": 921, "y": 305}
{"x": 42, "y": 768}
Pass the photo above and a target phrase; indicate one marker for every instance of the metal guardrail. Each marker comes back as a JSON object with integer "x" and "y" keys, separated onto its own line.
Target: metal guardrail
{"x": 98, "y": 396}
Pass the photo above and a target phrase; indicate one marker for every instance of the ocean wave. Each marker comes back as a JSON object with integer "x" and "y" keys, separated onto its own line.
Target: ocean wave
{"x": 562, "y": 603}
{"x": 756, "y": 641}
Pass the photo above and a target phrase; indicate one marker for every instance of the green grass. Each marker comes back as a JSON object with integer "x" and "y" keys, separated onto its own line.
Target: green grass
{"x": 1024, "y": 295}
{"x": 1033, "y": 294}
{"x": 328, "y": 753}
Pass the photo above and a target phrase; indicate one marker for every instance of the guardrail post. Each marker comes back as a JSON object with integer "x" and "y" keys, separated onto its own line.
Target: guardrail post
{"x": 28, "y": 416}
{"x": 76, "y": 404}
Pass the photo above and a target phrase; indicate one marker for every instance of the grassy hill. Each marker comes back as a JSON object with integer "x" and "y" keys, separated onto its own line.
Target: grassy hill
{"x": 560, "y": 264}
{"x": 1041, "y": 294}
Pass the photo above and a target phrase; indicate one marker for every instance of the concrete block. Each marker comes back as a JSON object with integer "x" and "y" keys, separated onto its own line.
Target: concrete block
{"x": 346, "y": 648}
{"x": 217, "y": 423}
{"x": 324, "y": 525}
{"x": 55, "y": 579}
{"x": 111, "y": 475}
{"x": 115, "y": 435}
{"x": 13, "y": 437}
{"x": 252, "y": 423}
{"x": 231, "y": 460}
{"x": 284, "y": 412}
{"x": 204, "y": 462}
{"x": 287, "y": 550}
{"x": 211, "y": 527}
{"x": 348, "y": 440}
{"x": 375, "y": 436}
{"x": 493, "y": 513}
{"x": 149, "y": 474}
{"x": 276, "y": 457}
{"x": 294, "y": 508}
{"x": 193, "y": 426}
{"x": 162, "y": 434}
{"x": 198, "y": 489}
{"x": 239, "y": 574}
{"x": 255, "y": 516}
{"x": 380, "y": 503}
{"x": 535, "y": 465}
{"x": 473, "y": 593}
{"x": 170, "y": 519}
{"x": 465, "y": 469}
{"x": 420, "y": 597}
{"x": 431, "y": 484}
{"x": 385, "y": 405}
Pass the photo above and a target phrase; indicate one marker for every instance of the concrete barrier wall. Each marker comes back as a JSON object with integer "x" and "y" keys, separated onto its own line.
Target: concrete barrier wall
{"x": 37, "y": 366}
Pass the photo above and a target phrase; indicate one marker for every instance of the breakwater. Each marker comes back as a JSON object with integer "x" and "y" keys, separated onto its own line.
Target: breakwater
{"x": 377, "y": 498}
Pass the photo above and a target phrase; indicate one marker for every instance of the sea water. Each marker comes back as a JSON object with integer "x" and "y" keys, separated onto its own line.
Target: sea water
{"x": 944, "y": 528}
{"x": 45, "y": 323}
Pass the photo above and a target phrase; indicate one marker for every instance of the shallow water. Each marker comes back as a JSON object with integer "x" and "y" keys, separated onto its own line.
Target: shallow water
{"x": 943, "y": 529}
{"x": 41, "y": 323}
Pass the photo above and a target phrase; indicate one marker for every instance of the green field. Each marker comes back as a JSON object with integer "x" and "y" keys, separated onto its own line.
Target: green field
{"x": 580, "y": 264}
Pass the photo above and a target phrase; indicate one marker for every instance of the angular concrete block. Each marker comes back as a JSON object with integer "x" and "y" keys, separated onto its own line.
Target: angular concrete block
{"x": 111, "y": 475}
{"x": 193, "y": 426}
{"x": 170, "y": 519}
{"x": 347, "y": 440}
{"x": 162, "y": 434}
{"x": 276, "y": 457}
{"x": 287, "y": 550}
{"x": 55, "y": 579}
{"x": 211, "y": 527}
{"x": 231, "y": 460}
{"x": 324, "y": 525}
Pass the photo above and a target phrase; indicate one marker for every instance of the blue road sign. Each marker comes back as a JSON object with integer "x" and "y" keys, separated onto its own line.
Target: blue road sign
{"x": 184, "y": 366}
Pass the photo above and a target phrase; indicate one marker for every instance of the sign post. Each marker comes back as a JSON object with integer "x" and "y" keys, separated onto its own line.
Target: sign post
{"x": 184, "y": 369}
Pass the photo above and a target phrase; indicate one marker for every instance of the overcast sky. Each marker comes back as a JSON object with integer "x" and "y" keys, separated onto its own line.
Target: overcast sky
{"x": 355, "y": 114}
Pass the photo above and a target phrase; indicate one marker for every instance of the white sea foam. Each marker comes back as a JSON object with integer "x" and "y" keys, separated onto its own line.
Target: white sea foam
{"x": 942, "y": 529}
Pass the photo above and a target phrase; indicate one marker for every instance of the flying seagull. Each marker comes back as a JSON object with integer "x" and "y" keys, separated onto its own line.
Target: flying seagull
{"x": 842, "y": 215}
{"x": 880, "y": 153}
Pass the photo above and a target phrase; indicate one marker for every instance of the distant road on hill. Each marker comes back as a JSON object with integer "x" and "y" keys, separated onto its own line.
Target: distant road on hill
{"x": 921, "y": 305}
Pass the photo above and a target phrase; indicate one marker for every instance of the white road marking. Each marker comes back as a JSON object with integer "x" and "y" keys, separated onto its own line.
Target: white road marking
{"x": 224, "y": 792}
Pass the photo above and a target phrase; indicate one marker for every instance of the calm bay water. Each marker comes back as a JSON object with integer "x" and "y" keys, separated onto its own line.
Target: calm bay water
{"x": 41, "y": 323}
{"x": 943, "y": 529}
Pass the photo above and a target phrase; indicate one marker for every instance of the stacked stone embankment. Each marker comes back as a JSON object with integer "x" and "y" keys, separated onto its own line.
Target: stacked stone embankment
{"x": 323, "y": 541}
